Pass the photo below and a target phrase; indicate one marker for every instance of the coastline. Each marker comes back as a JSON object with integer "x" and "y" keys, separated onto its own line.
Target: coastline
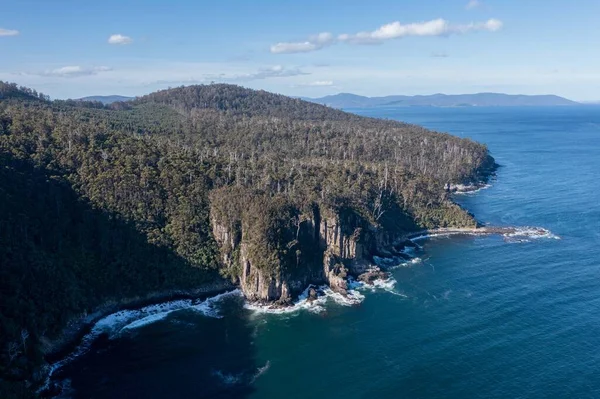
{"x": 81, "y": 325}
{"x": 471, "y": 188}
{"x": 71, "y": 337}
{"x": 61, "y": 348}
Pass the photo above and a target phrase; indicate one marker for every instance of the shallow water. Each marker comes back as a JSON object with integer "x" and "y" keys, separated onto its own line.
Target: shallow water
{"x": 474, "y": 317}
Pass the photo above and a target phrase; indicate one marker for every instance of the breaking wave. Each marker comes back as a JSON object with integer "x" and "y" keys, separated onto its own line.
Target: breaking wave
{"x": 316, "y": 305}
{"x": 435, "y": 234}
{"x": 124, "y": 320}
{"x": 388, "y": 285}
{"x": 511, "y": 234}
{"x": 470, "y": 190}
{"x": 261, "y": 370}
{"x": 395, "y": 262}
{"x": 526, "y": 234}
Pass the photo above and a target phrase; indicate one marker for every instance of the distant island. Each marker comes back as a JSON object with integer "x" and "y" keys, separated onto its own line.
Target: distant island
{"x": 348, "y": 100}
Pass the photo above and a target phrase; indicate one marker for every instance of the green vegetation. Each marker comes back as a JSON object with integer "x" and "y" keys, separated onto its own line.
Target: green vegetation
{"x": 104, "y": 202}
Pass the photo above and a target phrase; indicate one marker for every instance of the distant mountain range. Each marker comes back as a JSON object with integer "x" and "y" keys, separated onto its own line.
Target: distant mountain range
{"x": 106, "y": 99}
{"x": 347, "y": 100}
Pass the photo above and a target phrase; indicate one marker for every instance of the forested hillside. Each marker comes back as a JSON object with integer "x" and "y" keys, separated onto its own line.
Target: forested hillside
{"x": 185, "y": 186}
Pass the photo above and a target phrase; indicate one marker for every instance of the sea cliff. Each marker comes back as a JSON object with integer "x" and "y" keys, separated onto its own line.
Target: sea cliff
{"x": 274, "y": 250}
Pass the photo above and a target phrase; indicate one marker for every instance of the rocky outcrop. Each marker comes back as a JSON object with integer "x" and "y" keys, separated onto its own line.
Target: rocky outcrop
{"x": 335, "y": 272}
{"x": 370, "y": 276}
{"x": 259, "y": 285}
{"x": 321, "y": 246}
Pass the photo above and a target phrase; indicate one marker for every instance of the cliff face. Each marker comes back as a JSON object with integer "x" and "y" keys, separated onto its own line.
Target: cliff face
{"x": 258, "y": 282}
{"x": 324, "y": 249}
{"x": 261, "y": 285}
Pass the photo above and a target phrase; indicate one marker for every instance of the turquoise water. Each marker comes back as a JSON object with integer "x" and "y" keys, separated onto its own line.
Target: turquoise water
{"x": 476, "y": 317}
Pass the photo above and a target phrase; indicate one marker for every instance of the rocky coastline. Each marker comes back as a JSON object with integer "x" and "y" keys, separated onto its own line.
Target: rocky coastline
{"x": 347, "y": 260}
{"x": 55, "y": 350}
{"x": 342, "y": 246}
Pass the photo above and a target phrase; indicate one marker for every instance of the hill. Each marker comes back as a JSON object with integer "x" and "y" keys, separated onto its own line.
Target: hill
{"x": 10, "y": 91}
{"x": 346, "y": 100}
{"x": 193, "y": 186}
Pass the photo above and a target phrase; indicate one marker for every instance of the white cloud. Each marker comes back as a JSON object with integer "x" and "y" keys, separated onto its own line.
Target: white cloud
{"x": 315, "y": 42}
{"x": 436, "y": 27}
{"x": 394, "y": 30}
{"x": 74, "y": 71}
{"x": 473, "y": 4}
{"x": 8, "y": 32}
{"x": 119, "y": 39}
{"x": 302, "y": 47}
{"x": 320, "y": 83}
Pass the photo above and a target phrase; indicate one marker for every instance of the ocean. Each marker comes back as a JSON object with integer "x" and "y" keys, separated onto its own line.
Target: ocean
{"x": 469, "y": 317}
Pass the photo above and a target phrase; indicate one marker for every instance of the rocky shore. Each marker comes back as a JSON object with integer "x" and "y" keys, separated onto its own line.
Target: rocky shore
{"x": 335, "y": 273}
{"x": 347, "y": 261}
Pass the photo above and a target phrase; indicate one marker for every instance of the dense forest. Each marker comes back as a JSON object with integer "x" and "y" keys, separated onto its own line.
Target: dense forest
{"x": 104, "y": 202}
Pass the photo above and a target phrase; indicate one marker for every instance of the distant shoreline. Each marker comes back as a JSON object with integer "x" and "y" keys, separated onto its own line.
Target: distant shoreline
{"x": 349, "y": 100}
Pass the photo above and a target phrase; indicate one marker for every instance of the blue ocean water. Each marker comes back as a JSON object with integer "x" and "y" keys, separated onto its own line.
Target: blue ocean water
{"x": 476, "y": 317}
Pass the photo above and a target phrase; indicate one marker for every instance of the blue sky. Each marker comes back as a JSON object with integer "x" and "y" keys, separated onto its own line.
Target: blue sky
{"x": 71, "y": 48}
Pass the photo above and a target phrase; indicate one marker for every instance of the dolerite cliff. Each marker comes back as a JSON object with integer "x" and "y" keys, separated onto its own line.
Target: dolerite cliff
{"x": 274, "y": 250}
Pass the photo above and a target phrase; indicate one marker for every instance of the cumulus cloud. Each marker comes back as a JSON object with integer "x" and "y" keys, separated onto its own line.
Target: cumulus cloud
{"x": 436, "y": 27}
{"x": 315, "y": 42}
{"x": 473, "y": 4}
{"x": 394, "y": 30}
{"x": 74, "y": 71}
{"x": 8, "y": 32}
{"x": 119, "y": 39}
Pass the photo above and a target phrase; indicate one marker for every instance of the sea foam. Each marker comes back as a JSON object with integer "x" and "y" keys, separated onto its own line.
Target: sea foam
{"x": 316, "y": 305}
{"x": 124, "y": 320}
{"x": 512, "y": 234}
{"x": 526, "y": 234}
{"x": 261, "y": 370}
{"x": 395, "y": 262}
{"x": 470, "y": 190}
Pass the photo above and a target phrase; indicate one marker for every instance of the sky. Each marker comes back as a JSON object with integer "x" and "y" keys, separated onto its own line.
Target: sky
{"x": 73, "y": 48}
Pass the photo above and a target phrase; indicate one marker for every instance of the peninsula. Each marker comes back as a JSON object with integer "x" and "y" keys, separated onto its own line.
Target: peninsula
{"x": 201, "y": 186}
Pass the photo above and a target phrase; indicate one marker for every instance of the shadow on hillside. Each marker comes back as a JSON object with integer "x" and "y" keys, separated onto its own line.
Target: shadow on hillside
{"x": 186, "y": 356}
{"x": 61, "y": 257}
